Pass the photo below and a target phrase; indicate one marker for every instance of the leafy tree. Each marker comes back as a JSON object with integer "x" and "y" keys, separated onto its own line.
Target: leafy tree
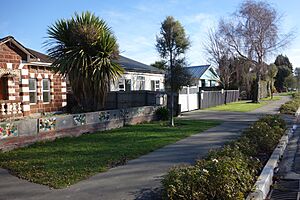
{"x": 252, "y": 33}
{"x": 285, "y": 68}
{"x": 283, "y": 60}
{"x": 171, "y": 44}
{"x": 297, "y": 76}
{"x": 272, "y": 72}
{"x": 290, "y": 82}
{"x": 83, "y": 49}
{"x": 160, "y": 64}
{"x": 282, "y": 74}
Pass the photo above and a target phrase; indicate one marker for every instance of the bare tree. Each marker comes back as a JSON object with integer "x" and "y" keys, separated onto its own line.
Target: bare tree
{"x": 252, "y": 33}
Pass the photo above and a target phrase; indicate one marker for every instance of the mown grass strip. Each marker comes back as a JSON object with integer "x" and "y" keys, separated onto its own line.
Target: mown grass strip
{"x": 65, "y": 161}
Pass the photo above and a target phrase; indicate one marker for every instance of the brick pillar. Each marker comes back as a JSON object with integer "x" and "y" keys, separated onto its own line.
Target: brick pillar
{"x": 24, "y": 90}
{"x": 64, "y": 92}
{"x": 39, "y": 92}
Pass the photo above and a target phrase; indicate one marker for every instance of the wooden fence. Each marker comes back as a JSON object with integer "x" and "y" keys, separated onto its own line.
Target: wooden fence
{"x": 214, "y": 98}
{"x": 121, "y": 99}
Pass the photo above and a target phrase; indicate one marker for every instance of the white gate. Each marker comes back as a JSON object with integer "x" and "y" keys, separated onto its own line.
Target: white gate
{"x": 188, "y": 98}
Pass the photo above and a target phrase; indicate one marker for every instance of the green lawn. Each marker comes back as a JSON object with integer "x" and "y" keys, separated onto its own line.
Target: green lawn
{"x": 239, "y": 106}
{"x": 66, "y": 161}
{"x": 275, "y": 98}
{"x": 286, "y": 93}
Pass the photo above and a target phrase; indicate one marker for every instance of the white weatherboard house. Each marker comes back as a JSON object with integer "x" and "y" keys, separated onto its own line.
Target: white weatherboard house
{"x": 138, "y": 76}
{"x": 204, "y": 76}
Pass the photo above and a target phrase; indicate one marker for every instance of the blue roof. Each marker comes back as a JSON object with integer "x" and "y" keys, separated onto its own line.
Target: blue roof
{"x": 197, "y": 71}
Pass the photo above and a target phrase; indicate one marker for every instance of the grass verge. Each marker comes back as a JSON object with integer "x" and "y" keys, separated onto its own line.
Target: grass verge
{"x": 275, "y": 98}
{"x": 65, "y": 161}
{"x": 239, "y": 106}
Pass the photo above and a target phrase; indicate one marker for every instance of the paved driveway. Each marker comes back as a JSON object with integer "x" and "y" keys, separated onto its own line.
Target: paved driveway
{"x": 140, "y": 178}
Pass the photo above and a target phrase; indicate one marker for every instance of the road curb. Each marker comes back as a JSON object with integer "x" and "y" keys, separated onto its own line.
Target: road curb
{"x": 265, "y": 179}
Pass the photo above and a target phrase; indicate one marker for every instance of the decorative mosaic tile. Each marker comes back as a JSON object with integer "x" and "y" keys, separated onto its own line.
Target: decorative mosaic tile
{"x": 79, "y": 119}
{"x": 104, "y": 116}
{"x": 8, "y": 130}
{"x": 47, "y": 124}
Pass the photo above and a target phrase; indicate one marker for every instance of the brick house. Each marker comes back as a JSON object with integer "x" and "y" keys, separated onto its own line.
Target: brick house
{"x": 27, "y": 85}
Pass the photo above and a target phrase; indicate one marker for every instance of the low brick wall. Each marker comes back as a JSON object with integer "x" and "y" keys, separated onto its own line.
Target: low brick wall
{"x": 24, "y": 132}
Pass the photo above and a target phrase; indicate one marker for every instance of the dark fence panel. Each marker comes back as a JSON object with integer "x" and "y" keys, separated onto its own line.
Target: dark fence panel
{"x": 120, "y": 99}
{"x": 214, "y": 98}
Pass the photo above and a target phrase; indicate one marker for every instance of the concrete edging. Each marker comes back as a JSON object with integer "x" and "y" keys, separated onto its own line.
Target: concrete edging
{"x": 265, "y": 179}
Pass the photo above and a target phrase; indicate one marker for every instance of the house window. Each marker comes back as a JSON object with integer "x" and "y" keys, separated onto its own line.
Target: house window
{"x": 203, "y": 83}
{"x": 127, "y": 85}
{"x": 121, "y": 85}
{"x": 157, "y": 86}
{"x": 46, "y": 90}
{"x": 140, "y": 85}
{"x": 3, "y": 88}
{"x": 32, "y": 90}
{"x": 152, "y": 85}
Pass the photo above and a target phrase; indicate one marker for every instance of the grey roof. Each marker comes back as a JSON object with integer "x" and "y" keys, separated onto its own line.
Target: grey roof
{"x": 42, "y": 57}
{"x": 197, "y": 71}
{"x": 135, "y": 66}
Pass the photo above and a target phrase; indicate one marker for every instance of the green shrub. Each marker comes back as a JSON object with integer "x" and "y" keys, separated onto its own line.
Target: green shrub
{"x": 162, "y": 113}
{"x": 273, "y": 121}
{"x": 222, "y": 178}
{"x": 229, "y": 172}
{"x": 292, "y": 106}
{"x": 263, "y": 137}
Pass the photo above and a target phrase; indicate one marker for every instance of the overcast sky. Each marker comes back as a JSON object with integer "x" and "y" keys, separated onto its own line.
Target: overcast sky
{"x": 136, "y": 22}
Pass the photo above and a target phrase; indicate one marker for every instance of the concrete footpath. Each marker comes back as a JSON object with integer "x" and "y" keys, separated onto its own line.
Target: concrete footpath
{"x": 140, "y": 178}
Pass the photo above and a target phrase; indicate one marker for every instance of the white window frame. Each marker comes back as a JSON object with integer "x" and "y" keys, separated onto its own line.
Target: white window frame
{"x": 121, "y": 82}
{"x": 157, "y": 85}
{"x": 140, "y": 82}
{"x": 48, "y": 90}
{"x": 32, "y": 91}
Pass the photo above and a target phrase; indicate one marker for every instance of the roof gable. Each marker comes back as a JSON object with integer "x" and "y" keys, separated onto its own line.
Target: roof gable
{"x": 12, "y": 43}
{"x": 203, "y": 72}
{"x": 198, "y": 71}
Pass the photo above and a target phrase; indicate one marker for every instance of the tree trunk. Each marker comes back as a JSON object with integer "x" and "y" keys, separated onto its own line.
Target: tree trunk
{"x": 257, "y": 88}
{"x": 172, "y": 92}
{"x": 225, "y": 99}
{"x": 271, "y": 88}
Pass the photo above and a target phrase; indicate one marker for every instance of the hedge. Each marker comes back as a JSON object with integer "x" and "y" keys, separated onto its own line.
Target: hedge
{"x": 292, "y": 106}
{"x": 230, "y": 172}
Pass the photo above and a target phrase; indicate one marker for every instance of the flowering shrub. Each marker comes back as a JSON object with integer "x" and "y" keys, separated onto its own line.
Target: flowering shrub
{"x": 230, "y": 172}
{"x": 292, "y": 106}
{"x": 264, "y": 137}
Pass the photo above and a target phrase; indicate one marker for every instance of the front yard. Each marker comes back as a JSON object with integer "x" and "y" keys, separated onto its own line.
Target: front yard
{"x": 66, "y": 161}
{"x": 239, "y": 106}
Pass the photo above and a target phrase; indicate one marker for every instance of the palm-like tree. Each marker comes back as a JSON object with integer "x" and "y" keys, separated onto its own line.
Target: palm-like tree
{"x": 84, "y": 48}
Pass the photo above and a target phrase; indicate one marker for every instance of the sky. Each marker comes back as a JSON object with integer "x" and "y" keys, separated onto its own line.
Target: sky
{"x": 137, "y": 22}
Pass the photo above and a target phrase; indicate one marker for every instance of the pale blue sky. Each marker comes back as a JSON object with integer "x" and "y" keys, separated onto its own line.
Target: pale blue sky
{"x": 136, "y": 23}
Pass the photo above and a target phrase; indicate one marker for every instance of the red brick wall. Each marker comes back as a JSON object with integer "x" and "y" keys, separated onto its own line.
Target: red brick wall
{"x": 9, "y": 53}
{"x": 56, "y": 93}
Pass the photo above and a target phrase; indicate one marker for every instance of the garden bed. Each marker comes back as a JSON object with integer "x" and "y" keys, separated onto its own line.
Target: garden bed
{"x": 292, "y": 106}
{"x": 229, "y": 172}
